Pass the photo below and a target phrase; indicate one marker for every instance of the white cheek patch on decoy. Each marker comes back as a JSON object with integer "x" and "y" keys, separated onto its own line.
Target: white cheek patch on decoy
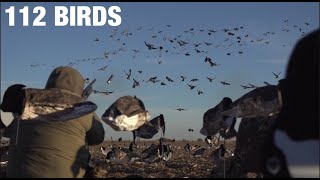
{"x": 302, "y": 156}
{"x": 125, "y": 123}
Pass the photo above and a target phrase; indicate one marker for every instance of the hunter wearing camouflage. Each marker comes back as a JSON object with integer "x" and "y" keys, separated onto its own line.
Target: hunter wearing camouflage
{"x": 51, "y": 148}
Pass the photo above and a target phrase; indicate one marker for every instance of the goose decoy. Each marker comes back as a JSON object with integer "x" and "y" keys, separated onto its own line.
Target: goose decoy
{"x": 150, "y": 128}
{"x": 110, "y": 157}
{"x": 165, "y": 151}
{"x": 187, "y": 149}
{"x": 208, "y": 140}
{"x": 199, "y": 152}
{"x": 262, "y": 101}
{"x": 219, "y": 153}
{"x": 105, "y": 150}
{"x": 213, "y": 120}
{"x": 44, "y": 104}
{"x": 229, "y": 132}
{"x": 150, "y": 154}
{"x": 117, "y": 155}
{"x": 127, "y": 113}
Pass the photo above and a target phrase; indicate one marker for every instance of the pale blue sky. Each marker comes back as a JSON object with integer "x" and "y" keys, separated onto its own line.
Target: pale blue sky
{"x": 55, "y": 46}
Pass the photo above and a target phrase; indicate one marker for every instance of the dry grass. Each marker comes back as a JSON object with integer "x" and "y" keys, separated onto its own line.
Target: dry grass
{"x": 180, "y": 166}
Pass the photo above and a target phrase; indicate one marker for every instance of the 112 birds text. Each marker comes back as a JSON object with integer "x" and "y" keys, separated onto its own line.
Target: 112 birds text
{"x": 69, "y": 16}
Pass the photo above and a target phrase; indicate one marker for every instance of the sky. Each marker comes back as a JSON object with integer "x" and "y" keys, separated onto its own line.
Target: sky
{"x": 267, "y": 34}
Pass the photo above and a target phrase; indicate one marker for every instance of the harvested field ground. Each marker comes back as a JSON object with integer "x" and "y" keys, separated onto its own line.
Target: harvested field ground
{"x": 179, "y": 166}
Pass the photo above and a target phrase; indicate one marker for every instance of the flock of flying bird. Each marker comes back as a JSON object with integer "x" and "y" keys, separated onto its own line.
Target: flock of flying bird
{"x": 164, "y": 43}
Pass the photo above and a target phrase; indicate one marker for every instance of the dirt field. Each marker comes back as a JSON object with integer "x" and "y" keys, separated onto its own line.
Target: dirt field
{"x": 179, "y": 166}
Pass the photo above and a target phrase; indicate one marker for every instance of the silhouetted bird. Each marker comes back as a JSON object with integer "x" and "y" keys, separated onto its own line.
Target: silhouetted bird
{"x": 210, "y": 79}
{"x": 199, "y": 92}
{"x": 180, "y": 109}
{"x": 103, "y": 68}
{"x": 110, "y": 79}
{"x": 128, "y": 74}
{"x": 224, "y": 83}
{"x": 150, "y": 46}
{"x": 170, "y": 80}
{"x": 183, "y": 78}
{"x": 191, "y": 86}
{"x": 276, "y": 75}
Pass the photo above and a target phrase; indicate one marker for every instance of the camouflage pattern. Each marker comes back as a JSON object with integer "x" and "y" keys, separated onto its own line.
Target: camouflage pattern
{"x": 40, "y": 149}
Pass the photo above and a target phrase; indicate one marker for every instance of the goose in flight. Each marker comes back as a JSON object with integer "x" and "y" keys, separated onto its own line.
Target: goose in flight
{"x": 210, "y": 79}
{"x": 224, "y": 83}
{"x": 191, "y": 86}
{"x": 276, "y": 75}
{"x": 180, "y": 109}
{"x": 110, "y": 79}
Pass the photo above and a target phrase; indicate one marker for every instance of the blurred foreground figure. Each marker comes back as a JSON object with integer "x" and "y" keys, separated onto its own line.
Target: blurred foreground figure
{"x": 52, "y": 127}
{"x": 295, "y": 143}
{"x": 282, "y": 141}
